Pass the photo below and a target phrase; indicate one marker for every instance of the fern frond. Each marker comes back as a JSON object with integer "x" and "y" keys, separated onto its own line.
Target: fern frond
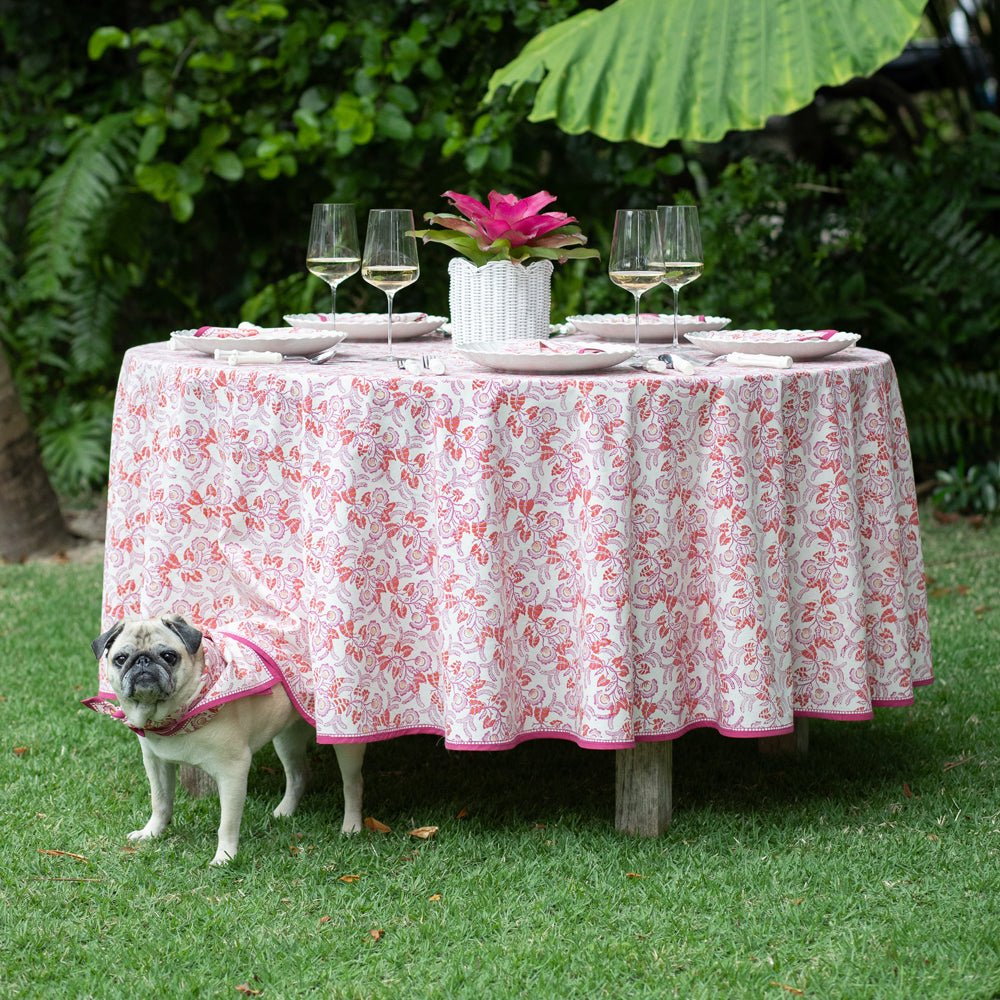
{"x": 70, "y": 201}
{"x": 96, "y": 303}
{"x": 938, "y": 240}
{"x": 952, "y": 413}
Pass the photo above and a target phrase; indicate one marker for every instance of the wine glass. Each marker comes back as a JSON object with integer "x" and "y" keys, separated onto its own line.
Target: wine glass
{"x": 390, "y": 257}
{"x": 333, "y": 253}
{"x": 636, "y": 261}
{"x": 683, "y": 260}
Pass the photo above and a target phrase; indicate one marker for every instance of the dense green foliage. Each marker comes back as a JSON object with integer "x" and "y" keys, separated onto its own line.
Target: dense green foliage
{"x": 974, "y": 491}
{"x": 903, "y": 250}
{"x": 160, "y": 162}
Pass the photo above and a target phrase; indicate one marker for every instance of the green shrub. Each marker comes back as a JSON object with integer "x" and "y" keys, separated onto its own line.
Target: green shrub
{"x": 904, "y": 251}
{"x": 975, "y": 490}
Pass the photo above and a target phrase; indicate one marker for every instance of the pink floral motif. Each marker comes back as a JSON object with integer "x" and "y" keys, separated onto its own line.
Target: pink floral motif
{"x": 609, "y": 558}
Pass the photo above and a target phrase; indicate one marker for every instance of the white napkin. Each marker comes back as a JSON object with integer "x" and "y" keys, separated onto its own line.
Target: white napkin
{"x": 221, "y": 332}
{"x": 760, "y": 360}
{"x": 248, "y": 357}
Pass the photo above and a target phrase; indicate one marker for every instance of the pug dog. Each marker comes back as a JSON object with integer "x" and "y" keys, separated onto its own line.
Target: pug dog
{"x": 157, "y": 669}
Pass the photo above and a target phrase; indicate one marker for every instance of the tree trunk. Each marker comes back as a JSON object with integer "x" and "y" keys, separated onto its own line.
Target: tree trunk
{"x": 30, "y": 520}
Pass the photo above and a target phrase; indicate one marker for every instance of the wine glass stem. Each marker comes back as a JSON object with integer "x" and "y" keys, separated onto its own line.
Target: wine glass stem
{"x": 637, "y": 295}
{"x": 389, "y": 295}
{"x": 333, "y": 294}
{"x": 675, "y": 291}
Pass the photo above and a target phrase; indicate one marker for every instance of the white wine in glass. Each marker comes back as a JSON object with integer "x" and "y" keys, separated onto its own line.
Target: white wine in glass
{"x": 333, "y": 253}
{"x": 390, "y": 258}
{"x": 636, "y": 261}
{"x": 390, "y": 278}
{"x": 683, "y": 260}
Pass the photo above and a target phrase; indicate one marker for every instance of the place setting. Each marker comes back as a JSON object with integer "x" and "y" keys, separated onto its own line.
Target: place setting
{"x": 544, "y": 357}
{"x": 389, "y": 263}
{"x": 799, "y": 345}
{"x": 370, "y": 327}
{"x": 288, "y": 341}
{"x": 654, "y": 328}
{"x": 663, "y": 246}
{"x": 649, "y": 247}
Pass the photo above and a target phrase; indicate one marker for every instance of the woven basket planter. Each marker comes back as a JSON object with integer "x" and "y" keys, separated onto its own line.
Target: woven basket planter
{"x": 499, "y": 301}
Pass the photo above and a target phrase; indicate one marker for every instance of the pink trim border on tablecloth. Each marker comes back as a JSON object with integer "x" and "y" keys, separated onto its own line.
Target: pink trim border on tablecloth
{"x": 586, "y": 744}
{"x": 276, "y": 674}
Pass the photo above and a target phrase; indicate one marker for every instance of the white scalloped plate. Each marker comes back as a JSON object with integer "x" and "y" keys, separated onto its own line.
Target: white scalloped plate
{"x": 279, "y": 338}
{"x": 800, "y": 345}
{"x": 500, "y": 357}
{"x": 370, "y": 326}
{"x": 653, "y": 327}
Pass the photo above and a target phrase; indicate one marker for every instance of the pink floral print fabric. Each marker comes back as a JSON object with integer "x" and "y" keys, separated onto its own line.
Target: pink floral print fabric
{"x": 610, "y": 558}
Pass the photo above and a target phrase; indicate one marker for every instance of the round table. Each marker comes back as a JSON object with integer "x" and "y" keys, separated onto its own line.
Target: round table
{"x": 610, "y": 557}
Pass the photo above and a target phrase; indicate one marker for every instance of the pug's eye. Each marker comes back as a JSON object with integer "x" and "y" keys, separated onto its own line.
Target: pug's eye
{"x": 170, "y": 658}
{"x": 120, "y": 660}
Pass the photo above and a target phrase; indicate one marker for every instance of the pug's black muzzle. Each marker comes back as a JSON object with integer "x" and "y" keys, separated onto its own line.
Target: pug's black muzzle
{"x": 146, "y": 679}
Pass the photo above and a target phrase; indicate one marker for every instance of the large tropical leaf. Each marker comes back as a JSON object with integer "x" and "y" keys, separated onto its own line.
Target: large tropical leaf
{"x": 656, "y": 70}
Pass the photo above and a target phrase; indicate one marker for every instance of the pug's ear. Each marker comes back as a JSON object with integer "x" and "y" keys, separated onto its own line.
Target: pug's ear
{"x": 104, "y": 640}
{"x": 187, "y": 634}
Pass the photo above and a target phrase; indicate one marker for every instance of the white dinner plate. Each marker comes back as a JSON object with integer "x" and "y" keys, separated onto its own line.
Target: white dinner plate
{"x": 653, "y": 327}
{"x": 800, "y": 345}
{"x": 501, "y": 357}
{"x": 370, "y": 326}
{"x": 279, "y": 338}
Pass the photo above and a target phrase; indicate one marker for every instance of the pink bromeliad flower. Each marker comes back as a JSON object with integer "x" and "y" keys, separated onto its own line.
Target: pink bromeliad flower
{"x": 509, "y": 228}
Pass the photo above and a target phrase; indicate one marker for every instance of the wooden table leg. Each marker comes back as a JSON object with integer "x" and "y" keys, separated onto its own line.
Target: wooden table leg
{"x": 196, "y": 782}
{"x": 789, "y": 743}
{"x": 643, "y": 786}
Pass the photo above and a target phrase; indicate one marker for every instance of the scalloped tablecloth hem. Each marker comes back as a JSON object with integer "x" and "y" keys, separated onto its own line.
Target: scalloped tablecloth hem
{"x": 591, "y": 744}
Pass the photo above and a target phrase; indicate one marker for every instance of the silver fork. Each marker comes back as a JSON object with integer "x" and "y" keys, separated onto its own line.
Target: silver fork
{"x": 426, "y": 362}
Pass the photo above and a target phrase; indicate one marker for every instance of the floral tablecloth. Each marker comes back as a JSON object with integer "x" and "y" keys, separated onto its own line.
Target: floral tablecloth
{"x": 608, "y": 558}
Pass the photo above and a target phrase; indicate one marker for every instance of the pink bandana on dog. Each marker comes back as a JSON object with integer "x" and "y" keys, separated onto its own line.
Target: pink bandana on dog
{"x": 235, "y": 667}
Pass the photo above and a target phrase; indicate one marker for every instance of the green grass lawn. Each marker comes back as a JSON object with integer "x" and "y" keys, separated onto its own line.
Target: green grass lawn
{"x": 869, "y": 868}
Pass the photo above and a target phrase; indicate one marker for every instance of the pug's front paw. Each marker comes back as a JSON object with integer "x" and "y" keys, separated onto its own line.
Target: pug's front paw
{"x": 148, "y": 832}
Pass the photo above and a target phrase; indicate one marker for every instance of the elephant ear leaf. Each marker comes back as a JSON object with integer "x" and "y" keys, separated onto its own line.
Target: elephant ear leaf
{"x": 657, "y": 70}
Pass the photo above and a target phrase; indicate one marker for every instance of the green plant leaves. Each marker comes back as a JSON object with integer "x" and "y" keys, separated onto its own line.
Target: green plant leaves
{"x": 652, "y": 71}
{"x": 974, "y": 491}
{"x": 73, "y": 439}
{"x": 107, "y": 38}
{"x": 227, "y": 165}
{"x": 69, "y": 203}
{"x": 392, "y": 123}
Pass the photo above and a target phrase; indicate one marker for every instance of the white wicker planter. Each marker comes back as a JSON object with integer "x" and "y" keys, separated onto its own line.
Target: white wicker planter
{"x": 499, "y": 301}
